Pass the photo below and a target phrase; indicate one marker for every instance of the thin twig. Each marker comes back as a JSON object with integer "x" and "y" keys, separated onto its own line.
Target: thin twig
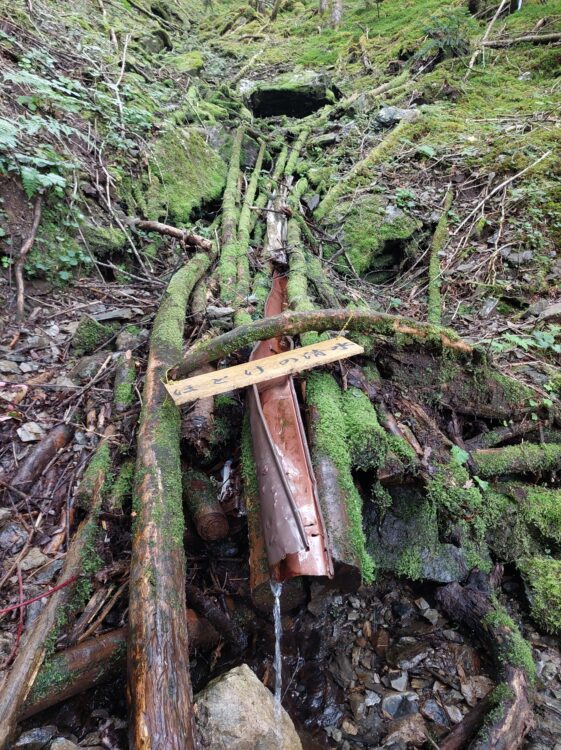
{"x": 499, "y": 187}
{"x": 25, "y": 248}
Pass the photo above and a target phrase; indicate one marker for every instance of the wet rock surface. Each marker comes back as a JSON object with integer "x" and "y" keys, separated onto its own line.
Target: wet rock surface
{"x": 236, "y": 712}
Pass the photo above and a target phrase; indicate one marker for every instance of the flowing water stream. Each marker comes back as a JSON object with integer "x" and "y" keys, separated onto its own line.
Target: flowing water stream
{"x": 276, "y": 588}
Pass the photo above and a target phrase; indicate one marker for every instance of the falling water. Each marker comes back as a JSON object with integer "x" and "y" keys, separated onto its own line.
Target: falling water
{"x": 276, "y": 588}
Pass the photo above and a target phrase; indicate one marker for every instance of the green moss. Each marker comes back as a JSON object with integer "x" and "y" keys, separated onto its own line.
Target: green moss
{"x": 249, "y": 471}
{"x": 90, "y": 335}
{"x": 104, "y": 240}
{"x": 515, "y": 650}
{"x": 122, "y": 487}
{"x": 367, "y": 226}
{"x": 187, "y": 62}
{"x": 518, "y": 459}
{"x": 99, "y": 466}
{"x": 439, "y": 240}
{"x": 185, "y": 172}
{"x": 410, "y": 564}
{"x": 367, "y": 439}
{"x": 123, "y": 394}
{"x": 542, "y": 576}
{"x": 331, "y": 439}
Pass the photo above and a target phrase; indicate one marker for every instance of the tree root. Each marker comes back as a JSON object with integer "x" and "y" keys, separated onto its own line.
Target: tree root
{"x": 293, "y": 323}
{"x": 23, "y": 253}
{"x": 35, "y": 463}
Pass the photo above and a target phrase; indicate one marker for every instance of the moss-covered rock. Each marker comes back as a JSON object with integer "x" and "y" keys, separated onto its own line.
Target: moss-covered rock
{"x": 104, "y": 240}
{"x": 90, "y": 335}
{"x": 185, "y": 172}
{"x": 371, "y": 231}
{"x": 297, "y": 93}
{"x": 187, "y": 62}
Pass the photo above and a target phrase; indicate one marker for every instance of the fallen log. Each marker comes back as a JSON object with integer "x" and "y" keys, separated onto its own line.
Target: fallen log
{"x": 32, "y": 652}
{"x": 96, "y": 661}
{"x": 201, "y": 495}
{"x": 123, "y": 388}
{"x": 526, "y": 38}
{"x": 158, "y": 665}
{"x": 293, "y": 323}
{"x": 42, "y": 454}
{"x": 222, "y": 624}
{"x": 185, "y": 237}
{"x": 511, "y": 718}
{"x": 525, "y": 458}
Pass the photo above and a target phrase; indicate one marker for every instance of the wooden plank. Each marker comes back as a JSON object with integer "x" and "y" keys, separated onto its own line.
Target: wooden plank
{"x": 259, "y": 370}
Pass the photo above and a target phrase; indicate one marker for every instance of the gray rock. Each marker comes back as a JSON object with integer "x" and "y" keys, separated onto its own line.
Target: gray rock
{"x": 434, "y": 711}
{"x": 47, "y": 574}
{"x": 398, "y": 705}
{"x": 5, "y": 515}
{"x": 431, "y": 615}
{"x": 237, "y": 712}
{"x": 389, "y": 116}
{"x": 35, "y": 739}
{"x": 12, "y": 537}
{"x": 9, "y": 367}
{"x": 63, "y": 744}
{"x": 454, "y": 713}
{"x": 130, "y": 339}
{"x": 445, "y": 565}
{"x": 410, "y": 730}
{"x": 398, "y": 680}
{"x": 34, "y": 559}
{"x": 86, "y": 367}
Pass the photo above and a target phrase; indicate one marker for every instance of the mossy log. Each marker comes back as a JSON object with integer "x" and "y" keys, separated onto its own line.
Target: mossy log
{"x": 511, "y": 718}
{"x": 526, "y": 458}
{"x": 197, "y": 423}
{"x": 227, "y": 265}
{"x": 201, "y": 496}
{"x": 159, "y": 680}
{"x": 293, "y": 323}
{"x": 332, "y": 462}
{"x": 185, "y": 237}
{"x": 33, "y": 650}
{"x": 96, "y": 661}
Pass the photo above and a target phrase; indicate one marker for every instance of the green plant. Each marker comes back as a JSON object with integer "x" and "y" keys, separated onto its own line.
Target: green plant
{"x": 446, "y": 36}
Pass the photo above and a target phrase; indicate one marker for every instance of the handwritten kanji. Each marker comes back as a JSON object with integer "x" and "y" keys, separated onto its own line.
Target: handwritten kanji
{"x": 260, "y": 371}
{"x": 288, "y": 359}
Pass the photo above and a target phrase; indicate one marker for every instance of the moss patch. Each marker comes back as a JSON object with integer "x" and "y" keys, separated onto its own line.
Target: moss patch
{"x": 542, "y": 576}
{"x": 90, "y": 335}
{"x": 185, "y": 172}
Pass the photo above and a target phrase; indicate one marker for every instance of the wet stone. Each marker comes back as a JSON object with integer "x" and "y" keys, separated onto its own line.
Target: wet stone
{"x": 35, "y": 739}
{"x": 34, "y": 559}
{"x": 398, "y": 680}
{"x": 48, "y": 572}
{"x": 410, "y": 730}
{"x": 63, "y": 744}
{"x": 454, "y": 713}
{"x": 431, "y": 615}
{"x": 432, "y": 710}
{"x": 12, "y": 537}
{"x": 87, "y": 367}
{"x": 397, "y": 705}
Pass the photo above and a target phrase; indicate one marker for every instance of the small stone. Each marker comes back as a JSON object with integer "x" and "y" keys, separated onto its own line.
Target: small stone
{"x": 63, "y": 744}
{"x": 30, "y": 432}
{"x": 92, "y": 738}
{"x": 398, "y": 680}
{"x": 410, "y": 730}
{"x": 372, "y": 698}
{"x": 12, "y": 537}
{"x": 35, "y": 739}
{"x": 8, "y": 367}
{"x": 432, "y": 710}
{"x": 453, "y": 636}
{"x": 422, "y": 604}
{"x": 388, "y": 116}
{"x": 455, "y": 714}
{"x": 431, "y": 615}
{"x": 5, "y": 515}
{"x": 358, "y": 706}
{"x": 34, "y": 559}
{"x": 349, "y": 728}
{"x": 87, "y": 367}
{"x": 380, "y": 641}
{"x": 397, "y": 705}
{"x": 475, "y": 688}
{"x": 64, "y": 382}
{"x": 47, "y": 574}
{"x": 28, "y": 367}
{"x": 130, "y": 338}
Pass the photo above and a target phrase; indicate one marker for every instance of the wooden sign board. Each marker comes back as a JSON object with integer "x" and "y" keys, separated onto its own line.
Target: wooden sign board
{"x": 259, "y": 370}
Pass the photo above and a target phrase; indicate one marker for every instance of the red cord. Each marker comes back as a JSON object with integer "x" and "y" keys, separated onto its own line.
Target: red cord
{"x": 39, "y": 596}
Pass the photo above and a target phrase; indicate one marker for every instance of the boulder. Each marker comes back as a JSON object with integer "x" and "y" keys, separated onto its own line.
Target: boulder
{"x": 237, "y": 712}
